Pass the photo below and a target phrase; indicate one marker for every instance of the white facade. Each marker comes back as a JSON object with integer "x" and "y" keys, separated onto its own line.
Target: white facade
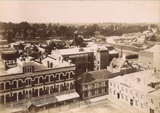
{"x": 134, "y": 90}
{"x": 150, "y": 57}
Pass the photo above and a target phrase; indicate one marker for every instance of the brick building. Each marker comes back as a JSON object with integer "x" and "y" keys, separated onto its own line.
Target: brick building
{"x": 33, "y": 84}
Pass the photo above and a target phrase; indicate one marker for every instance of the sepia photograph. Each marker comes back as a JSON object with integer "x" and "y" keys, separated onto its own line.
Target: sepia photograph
{"x": 79, "y": 56}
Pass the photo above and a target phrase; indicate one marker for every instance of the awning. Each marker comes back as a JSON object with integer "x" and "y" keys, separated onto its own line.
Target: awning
{"x": 67, "y": 96}
{"x": 44, "y": 101}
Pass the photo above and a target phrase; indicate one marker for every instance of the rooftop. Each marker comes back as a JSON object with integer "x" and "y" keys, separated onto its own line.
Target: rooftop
{"x": 46, "y": 63}
{"x": 73, "y": 51}
{"x": 155, "y": 48}
{"x": 138, "y": 81}
{"x": 156, "y": 93}
{"x": 94, "y": 76}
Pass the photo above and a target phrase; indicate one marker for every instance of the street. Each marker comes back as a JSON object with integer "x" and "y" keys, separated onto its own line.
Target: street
{"x": 104, "y": 106}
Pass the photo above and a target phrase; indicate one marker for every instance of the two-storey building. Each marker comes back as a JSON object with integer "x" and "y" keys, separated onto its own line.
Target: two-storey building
{"x": 138, "y": 90}
{"x": 36, "y": 83}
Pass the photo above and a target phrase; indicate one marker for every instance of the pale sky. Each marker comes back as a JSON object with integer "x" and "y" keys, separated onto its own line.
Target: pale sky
{"x": 80, "y": 11}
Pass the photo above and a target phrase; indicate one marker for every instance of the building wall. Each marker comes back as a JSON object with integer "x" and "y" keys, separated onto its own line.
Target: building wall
{"x": 146, "y": 58}
{"x": 37, "y": 85}
{"x": 102, "y": 59}
{"x": 132, "y": 97}
{"x": 156, "y": 62}
{"x": 94, "y": 89}
{"x": 83, "y": 62}
{"x": 153, "y": 104}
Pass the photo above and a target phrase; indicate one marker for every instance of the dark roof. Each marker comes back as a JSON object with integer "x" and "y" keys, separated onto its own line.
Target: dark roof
{"x": 93, "y": 76}
{"x": 85, "y": 78}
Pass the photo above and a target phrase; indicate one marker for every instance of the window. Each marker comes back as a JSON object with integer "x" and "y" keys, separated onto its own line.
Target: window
{"x": 136, "y": 94}
{"x": 110, "y": 90}
{"x": 152, "y": 101}
{"x": 136, "y": 102}
{"x": 122, "y": 88}
{"x": 89, "y": 58}
{"x": 93, "y": 92}
{"x": 126, "y": 98}
{"x": 28, "y": 69}
{"x": 106, "y": 83}
{"x": 114, "y": 92}
{"x": 141, "y": 105}
{"x": 83, "y": 58}
{"x": 110, "y": 83}
{"x": 85, "y": 87}
{"x": 114, "y": 85}
{"x": 28, "y": 82}
{"x": 122, "y": 96}
{"x": 117, "y": 86}
{"x": 126, "y": 90}
{"x": 93, "y": 85}
{"x": 131, "y": 92}
{"x": 2, "y": 86}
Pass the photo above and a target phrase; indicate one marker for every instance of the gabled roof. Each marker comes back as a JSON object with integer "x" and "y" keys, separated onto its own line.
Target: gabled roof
{"x": 117, "y": 63}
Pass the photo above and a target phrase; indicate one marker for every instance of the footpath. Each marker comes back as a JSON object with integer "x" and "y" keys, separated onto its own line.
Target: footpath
{"x": 123, "y": 105}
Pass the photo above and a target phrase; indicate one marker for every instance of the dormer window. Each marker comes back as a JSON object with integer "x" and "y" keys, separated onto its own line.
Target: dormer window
{"x": 28, "y": 69}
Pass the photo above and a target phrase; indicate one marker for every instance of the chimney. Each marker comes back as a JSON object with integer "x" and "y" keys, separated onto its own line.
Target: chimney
{"x": 40, "y": 59}
{"x": 121, "y": 53}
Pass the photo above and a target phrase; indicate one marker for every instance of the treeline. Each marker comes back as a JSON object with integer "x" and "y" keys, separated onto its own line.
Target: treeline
{"x": 66, "y": 31}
